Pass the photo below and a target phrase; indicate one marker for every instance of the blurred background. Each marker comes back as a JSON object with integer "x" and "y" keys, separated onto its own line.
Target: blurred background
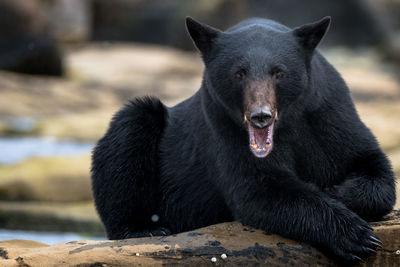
{"x": 67, "y": 65}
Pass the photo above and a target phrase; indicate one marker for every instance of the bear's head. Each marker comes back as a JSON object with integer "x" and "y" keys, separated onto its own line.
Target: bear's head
{"x": 256, "y": 70}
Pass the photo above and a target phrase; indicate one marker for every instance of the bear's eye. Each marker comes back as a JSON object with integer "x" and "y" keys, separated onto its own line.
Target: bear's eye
{"x": 240, "y": 74}
{"x": 277, "y": 73}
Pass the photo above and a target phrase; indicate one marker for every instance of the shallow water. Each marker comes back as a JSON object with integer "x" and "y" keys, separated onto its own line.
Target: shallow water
{"x": 17, "y": 149}
{"x": 49, "y": 238}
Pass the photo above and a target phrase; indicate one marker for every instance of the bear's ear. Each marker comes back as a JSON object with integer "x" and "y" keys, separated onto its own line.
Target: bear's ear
{"x": 201, "y": 34}
{"x": 311, "y": 34}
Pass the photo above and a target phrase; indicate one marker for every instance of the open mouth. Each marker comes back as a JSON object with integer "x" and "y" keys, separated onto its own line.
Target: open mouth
{"x": 261, "y": 140}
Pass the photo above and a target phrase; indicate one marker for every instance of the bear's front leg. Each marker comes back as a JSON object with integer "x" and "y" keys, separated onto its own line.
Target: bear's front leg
{"x": 369, "y": 188}
{"x": 282, "y": 204}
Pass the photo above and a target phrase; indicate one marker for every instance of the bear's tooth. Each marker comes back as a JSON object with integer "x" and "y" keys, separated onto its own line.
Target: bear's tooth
{"x": 268, "y": 144}
{"x": 254, "y": 145}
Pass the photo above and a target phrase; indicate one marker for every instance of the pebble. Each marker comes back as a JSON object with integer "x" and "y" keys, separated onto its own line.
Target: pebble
{"x": 223, "y": 256}
{"x": 137, "y": 254}
{"x": 213, "y": 259}
{"x": 398, "y": 252}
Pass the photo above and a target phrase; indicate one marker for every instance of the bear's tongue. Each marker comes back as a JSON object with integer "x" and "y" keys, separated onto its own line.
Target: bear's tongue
{"x": 260, "y": 140}
{"x": 260, "y": 137}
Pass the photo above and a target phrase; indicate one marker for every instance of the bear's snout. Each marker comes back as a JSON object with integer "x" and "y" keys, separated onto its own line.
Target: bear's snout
{"x": 261, "y": 117}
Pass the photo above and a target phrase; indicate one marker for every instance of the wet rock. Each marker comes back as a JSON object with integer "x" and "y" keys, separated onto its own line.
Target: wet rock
{"x": 78, "y": 217}
{"x": 26, "y": 45}
{"x": 19, "y": 126}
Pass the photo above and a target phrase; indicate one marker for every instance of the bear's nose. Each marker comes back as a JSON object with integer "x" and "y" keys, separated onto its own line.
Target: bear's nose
{"x": 261, "y": 117}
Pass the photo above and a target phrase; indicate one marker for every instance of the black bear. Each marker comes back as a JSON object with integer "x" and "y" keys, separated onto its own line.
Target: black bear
{"x": 271, "y": 139}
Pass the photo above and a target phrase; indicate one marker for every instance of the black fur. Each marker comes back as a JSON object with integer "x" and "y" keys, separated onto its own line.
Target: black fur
{"x": 325, "y": 176}
{"x": 126, "y": 184}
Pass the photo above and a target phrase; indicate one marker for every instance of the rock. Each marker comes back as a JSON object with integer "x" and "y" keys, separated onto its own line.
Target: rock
{"x": 69, "y": 20}
{"x": 242, "y": 246}
{"x": 17, "y": 126}
{"x": 162, "y": 22}
{"x": 47, "y": 179}
{"x": 26, "y": 46}
{"x": 77, "y": 217}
